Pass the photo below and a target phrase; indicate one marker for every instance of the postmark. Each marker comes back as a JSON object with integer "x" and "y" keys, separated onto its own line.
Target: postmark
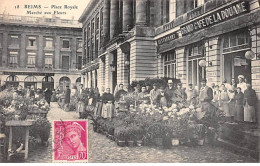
{"x": 69, "y": 141}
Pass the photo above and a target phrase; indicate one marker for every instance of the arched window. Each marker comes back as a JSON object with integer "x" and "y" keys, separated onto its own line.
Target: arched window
{"x": 12, "y": 78}
{"x": 48, "y": 79}
{"x": 30, "y": 79}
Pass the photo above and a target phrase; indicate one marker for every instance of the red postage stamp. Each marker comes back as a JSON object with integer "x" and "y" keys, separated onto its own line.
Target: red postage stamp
{"x": 70, "y": 141}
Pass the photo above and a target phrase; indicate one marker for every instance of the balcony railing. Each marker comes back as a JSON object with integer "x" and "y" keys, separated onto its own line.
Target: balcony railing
{"x": 56, "y": 21}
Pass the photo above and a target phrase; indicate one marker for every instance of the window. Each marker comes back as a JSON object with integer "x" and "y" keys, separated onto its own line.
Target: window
{"x": 196, "y": 52}
{"x": 66, "y": 44}
{"x": 92, "y": 26}
{"x": 13, "y": 59}
{"x": 170, "y": 64}
{"x": 235, "y": 39}
{"x": 31, "y": 60}
{"x": 14, "y": 41}
{"x": 48, "y": 60}
{"x": 32, "y": 41}
{"x": 97, "y": 23}
{"x": 79, "y": 43}
{"x": 49, "y": 43}
{"x": 101, "y": 18}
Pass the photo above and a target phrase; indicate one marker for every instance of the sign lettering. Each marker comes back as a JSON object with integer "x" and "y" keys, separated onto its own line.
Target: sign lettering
{"x": 167, "y": 38}
{"x": 216, "y": 17}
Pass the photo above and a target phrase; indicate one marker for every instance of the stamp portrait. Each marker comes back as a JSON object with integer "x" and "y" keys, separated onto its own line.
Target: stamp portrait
{"x": 70, "y": 141}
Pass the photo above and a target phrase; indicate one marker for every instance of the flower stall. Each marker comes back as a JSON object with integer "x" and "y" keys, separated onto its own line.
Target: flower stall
{"x": 141, "y": 123}
{"x": 20, "y": 116}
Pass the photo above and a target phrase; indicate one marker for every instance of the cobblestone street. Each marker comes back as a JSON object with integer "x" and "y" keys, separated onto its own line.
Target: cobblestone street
{"x": 103, "y": 150}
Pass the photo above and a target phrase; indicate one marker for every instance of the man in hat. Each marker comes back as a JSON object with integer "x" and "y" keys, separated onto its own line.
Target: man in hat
{"x": 179, "y": 94}
{"x": 205, "y": 98}
{"x": 191, "y": 95}
{"x": 81, "y": 97}
{"x": 47, "y": 95}
{"x": 170, "y": 92}
{"x": 67, "y": 96}
{"x": 154, "y": 93}
{"x": 241, "y": 83}
{"x": 120, "y": 93}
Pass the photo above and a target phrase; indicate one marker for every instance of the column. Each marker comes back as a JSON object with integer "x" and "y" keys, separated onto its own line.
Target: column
{"x": 106, "y": 20}
{"x": 213, "y": 72}
{"x": 160, "y": 66}
{"x": 40, "y": 56}
{"x": 127, "y": 14}
{"x": 114, "y": 14}
{"x": 181, "y": 65}
{"x": 141, "y": 12}
{"x": 57, "y": 53}
{"x": 122, "y": 69}
{"x": 5, "y": 49}
{"x": 23, "y": 59}
{"x": 108, "y": 72}
{"x": 101, "y": 75}
{"x": 255, "y": 66}
{"x": 172, "y": 7}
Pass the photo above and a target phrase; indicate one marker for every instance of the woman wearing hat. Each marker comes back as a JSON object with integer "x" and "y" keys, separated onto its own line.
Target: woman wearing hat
{"x": 241, "y": 83}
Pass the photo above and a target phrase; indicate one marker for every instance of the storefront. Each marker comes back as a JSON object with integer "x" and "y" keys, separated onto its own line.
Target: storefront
{"x": 235, "y": 45}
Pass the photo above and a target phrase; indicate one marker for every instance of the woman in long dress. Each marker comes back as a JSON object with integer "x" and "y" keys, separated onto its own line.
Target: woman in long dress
{"x": 239, "y": 115}
{"x": 249, "y": 104}
{"x": 224, "y": 99}
{"x": 231, "y": 103}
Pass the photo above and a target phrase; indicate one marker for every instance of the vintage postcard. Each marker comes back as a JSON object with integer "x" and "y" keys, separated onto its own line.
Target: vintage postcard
{"x": 129, "y": 81}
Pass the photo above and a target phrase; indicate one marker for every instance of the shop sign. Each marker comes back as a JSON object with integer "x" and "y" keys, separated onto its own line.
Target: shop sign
{"x": 216, "y": 17}
{"x": 167, "y": 38}
{"x": 239, "y": 62}
{"x": 212, "y": 74}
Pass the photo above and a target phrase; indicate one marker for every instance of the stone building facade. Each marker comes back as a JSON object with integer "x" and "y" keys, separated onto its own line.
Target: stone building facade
{"x": 44, "y": 52}
{"x": 126, "y": 40}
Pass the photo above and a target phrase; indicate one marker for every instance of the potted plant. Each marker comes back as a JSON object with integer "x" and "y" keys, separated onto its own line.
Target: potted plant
{"x": 130, "y": 135}
{"x": 139, "y": 136}
{"x": 42, "y": 127}
{"x": 120, "y": 135}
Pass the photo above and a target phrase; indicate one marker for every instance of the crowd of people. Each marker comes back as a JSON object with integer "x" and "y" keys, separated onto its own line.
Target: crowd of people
{"x": 31, "y": 93}
{"x": 237, "y": 100}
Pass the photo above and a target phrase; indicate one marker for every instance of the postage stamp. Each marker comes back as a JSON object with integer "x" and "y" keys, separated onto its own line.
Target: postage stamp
{"x": 70, "y": 141}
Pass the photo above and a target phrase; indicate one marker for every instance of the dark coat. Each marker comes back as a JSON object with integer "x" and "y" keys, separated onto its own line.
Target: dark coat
{"x": 107, "y": 97}
{"x": 250, "y": 97}
{"x": 119, "y": 94}
{"x": 67, "y": 96}
{"x": 47, "y": 95}
{"x": 239, "y": 98}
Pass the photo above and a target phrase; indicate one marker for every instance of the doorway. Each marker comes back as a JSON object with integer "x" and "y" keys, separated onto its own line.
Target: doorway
{"x": 236, "y": 64}
{"x": 48, "y": 82}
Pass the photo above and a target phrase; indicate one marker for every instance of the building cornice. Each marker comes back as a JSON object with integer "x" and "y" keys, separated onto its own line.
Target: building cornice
{"x": 89, "y": 9}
